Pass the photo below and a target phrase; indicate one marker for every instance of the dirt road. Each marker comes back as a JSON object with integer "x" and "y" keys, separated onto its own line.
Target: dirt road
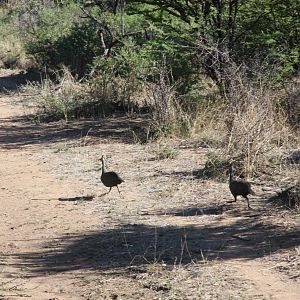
{"x": 171, "y": 234}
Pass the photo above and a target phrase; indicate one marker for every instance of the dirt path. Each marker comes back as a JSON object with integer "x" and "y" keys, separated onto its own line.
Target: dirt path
{"x": 170, "y": 235}
{"x": 32, "y": 216}
{"x": 269, "y": 283}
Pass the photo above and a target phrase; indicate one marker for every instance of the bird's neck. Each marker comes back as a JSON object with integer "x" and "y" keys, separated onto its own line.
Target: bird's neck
{"x": 103, "y": 167}
{"x": 230, "y": 177}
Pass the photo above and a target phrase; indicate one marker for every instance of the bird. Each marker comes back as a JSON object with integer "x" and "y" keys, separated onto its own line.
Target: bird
{"x": 110, "y": 179}
{"x": 239, "y": 187}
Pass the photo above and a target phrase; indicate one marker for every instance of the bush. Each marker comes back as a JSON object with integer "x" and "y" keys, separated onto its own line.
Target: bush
{"x": 53, "y": 101}
{"x": 256, "y": 125}
{"x": 215, "y": 166}
{"x": 12, "y": 51}
{"x": 59, "y": 37}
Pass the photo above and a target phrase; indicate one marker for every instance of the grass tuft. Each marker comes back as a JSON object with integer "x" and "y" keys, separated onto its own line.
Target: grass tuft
{"x": 165, "y": 152}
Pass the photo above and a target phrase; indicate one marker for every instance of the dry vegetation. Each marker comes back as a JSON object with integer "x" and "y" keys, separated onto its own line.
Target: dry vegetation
{"x": 169, "y": 109}
{"x": 171, "y": 234}
{"x": 250, "y": 126}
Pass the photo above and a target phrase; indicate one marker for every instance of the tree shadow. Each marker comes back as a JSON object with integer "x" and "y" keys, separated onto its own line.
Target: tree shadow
{"x": 287, "y": 199}
{"x": 21, "y": 131}
{"x": 216, "y": 209}
{"x": 200, "y": 174}
{"x": 137, "y": 244}
{"x": 25, "y": 133}
{"x": 11, "y": 83}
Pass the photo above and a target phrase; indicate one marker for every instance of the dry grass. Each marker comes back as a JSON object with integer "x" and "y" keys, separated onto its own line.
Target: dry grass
{"x": 290, "y": 101}
{"x": 251, "y": 127}
{"x": 209, "y": 124}
{"x": 12, "y": 287}
{"x": 162, "y": 97}
{"x": 52, "y": 100}
{"x": 196, "y": 281}
{"x": 165, "y": 151}
{"x": 161, "y": 188}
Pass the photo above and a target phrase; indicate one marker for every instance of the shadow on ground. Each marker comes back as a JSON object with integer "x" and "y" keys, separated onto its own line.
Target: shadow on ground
{"x": 12, "y": 82}
{"x": 20, "y": 131}
{"x": 200, "y": 173}
{"x": 288, "y": 198}
{"x": 138, "y": 244}
{"x": 17, "y": 132}
{"x": 216, "y": 209}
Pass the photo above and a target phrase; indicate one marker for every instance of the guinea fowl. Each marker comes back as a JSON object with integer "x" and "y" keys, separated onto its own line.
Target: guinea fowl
{"x": 110, "y": 179}
{"x": 239, "y": 187}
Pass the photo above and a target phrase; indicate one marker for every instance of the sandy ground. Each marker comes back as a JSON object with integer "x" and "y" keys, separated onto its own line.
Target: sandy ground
{"x": 171, "y": 234}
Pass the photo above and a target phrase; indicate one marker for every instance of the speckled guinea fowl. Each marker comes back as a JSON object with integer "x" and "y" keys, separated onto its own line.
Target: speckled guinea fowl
{"x": 110, "y": 179}
{"x": 239, "y": 187}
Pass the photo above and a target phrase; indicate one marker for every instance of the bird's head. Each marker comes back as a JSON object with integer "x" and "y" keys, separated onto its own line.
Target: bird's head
{"x": 230, "y": 169}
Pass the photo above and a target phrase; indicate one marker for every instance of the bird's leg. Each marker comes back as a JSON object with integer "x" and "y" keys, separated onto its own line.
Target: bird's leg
{"x": 109, "y": 190}
{"x": 105, "y": 193}
{"x": 232, "y": 200}
{"x": 118, "y": 189}
{"x": 247, "y": 202}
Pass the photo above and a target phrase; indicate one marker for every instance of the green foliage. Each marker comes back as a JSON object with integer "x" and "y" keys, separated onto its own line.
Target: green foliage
{"x": 118, "y": 79}
{"x": 180, "y": 127}
{"x": 122, "y": 45}
{"x": 192, "y": 37}
{"x": 248, "y": 30}
{"x": 12, "y": 52}
{"x": 270, "y": 30}
{"x": 128, "y": 60}
{"x": 59, "y": 38}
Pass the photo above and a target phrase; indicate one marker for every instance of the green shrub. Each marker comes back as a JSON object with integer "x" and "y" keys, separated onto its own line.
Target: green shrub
{"x": 12, "y": 51}
{"x": 59, "y": 37}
